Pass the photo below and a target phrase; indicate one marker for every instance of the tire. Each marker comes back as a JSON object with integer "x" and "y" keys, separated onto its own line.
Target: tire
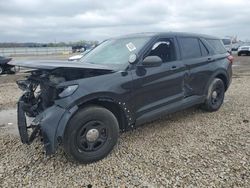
{"x": 1, "y": 70}
{"x": 91, "y": 134}
{"x": 239, "y": 54}
{"x": 215, "y": 96}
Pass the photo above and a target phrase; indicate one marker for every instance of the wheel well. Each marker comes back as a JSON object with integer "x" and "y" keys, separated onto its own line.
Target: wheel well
{"x": 111, "y": 106}
{"x": 224, "y": 79}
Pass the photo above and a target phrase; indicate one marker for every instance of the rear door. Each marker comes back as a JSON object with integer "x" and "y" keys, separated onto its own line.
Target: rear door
{"x": 196, "y": 57}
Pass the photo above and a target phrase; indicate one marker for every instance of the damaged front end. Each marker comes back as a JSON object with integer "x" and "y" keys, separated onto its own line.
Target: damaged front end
{"x": 42, "y": 108}
{"x": 37, "y": 113}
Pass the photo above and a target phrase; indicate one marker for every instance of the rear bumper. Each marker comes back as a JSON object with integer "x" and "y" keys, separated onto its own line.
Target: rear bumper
{"x": 46, "y": 124}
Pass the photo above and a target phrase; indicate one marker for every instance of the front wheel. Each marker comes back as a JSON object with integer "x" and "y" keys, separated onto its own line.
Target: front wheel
{"x": 215, "y": 96}
{"x": 91, "y": 134}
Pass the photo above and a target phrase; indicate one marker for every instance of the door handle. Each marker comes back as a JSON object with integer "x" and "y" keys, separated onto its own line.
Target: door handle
{"x": 173, "y": 67}
{"x": 210, "y": 59}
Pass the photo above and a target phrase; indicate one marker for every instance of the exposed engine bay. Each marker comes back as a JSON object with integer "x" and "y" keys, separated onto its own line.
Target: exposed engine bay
{"x": 42, "y": 86}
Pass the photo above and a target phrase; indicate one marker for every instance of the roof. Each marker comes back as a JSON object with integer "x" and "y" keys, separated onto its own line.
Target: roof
{"x": 170, "y": 33}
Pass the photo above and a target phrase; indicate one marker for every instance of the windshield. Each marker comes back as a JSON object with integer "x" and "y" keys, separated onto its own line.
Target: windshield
{"x": 115, "y": 51}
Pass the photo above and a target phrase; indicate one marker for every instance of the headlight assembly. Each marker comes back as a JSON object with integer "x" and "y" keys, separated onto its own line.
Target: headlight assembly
{"x": 68, "y": 90}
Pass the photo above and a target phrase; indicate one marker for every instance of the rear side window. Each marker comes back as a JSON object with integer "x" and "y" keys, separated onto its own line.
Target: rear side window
{"x": 217, "y": 45}
{"x": 204, "y": 51}
{"x": 190, "y": 47}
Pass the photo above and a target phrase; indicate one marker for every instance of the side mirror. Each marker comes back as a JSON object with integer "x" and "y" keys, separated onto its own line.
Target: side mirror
{"x": 152, "y": 61}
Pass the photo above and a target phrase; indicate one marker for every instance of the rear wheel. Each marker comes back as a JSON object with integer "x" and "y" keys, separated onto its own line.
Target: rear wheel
{"x": 91, "y": 134}
{"x": 215, "y": 96}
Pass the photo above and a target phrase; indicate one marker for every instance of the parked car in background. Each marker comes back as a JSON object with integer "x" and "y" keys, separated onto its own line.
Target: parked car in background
{"x": 4, "y": 66}
{"x": 83, "y": 48}
{"x": 79, "y": 56}
{"x": 244, "y": 50}
{"x": 76, "y": 57}
{"x": 236, "y": 46}
{"x": 228, "y": 44}
{"x": 119, "y": 85}
{"x": 78, "y": 48}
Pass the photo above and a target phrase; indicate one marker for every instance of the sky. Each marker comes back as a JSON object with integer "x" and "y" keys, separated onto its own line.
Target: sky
{"x": 74, "y": 20}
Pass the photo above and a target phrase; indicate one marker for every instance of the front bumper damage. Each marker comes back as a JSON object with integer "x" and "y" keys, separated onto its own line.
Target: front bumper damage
{"x": 50, "y": 125}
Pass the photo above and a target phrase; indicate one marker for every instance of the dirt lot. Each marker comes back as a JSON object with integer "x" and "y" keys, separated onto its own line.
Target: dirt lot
{"x": 189, "y": 148}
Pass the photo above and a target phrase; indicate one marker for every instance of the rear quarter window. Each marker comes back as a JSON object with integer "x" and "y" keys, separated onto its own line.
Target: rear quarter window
{"x": 217, "y": 45}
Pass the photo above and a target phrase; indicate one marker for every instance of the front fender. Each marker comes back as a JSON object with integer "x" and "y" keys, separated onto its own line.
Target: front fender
{"x": 52, "y": 126}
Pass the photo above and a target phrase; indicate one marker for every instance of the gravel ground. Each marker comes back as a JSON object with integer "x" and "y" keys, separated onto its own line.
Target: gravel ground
{"x": 9, "y": 92}
{"x": 190, "y": 148}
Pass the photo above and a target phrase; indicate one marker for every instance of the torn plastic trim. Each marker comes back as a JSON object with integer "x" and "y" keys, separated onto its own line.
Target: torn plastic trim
{"x": 49, "y": 125}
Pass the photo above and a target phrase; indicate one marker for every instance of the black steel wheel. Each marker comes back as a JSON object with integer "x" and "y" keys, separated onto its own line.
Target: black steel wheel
{"x": 91, "y": 134}
{"x": 215, "y": 96}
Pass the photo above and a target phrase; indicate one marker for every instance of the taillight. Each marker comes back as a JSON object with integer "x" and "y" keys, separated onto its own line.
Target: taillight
{"x": 230, "y": 58}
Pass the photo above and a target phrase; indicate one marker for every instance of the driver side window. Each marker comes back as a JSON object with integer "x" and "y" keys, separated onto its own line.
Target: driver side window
{"x": 164, "y": 48}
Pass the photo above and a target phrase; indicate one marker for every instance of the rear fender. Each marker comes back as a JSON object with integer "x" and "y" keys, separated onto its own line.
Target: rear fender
{"x": 215, "y": 75}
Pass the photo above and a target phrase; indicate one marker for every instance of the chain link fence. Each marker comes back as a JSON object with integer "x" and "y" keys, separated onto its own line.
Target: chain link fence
{"x": 20, "y": 51}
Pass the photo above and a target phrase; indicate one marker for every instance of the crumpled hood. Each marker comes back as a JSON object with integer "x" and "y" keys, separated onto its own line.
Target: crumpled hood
{"x": 54, "y": 64}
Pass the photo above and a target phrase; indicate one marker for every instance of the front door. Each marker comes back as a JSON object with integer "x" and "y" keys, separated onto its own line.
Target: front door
{"x": 156, "y": 87}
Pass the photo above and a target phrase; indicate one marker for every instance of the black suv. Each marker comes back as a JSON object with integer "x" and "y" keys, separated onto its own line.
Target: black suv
{"x": 4, "y": 67}
{"x": 122, "y": 83}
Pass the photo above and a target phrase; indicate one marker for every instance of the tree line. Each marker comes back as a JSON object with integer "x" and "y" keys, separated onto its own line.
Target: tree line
{"x": 51, "y": 44}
